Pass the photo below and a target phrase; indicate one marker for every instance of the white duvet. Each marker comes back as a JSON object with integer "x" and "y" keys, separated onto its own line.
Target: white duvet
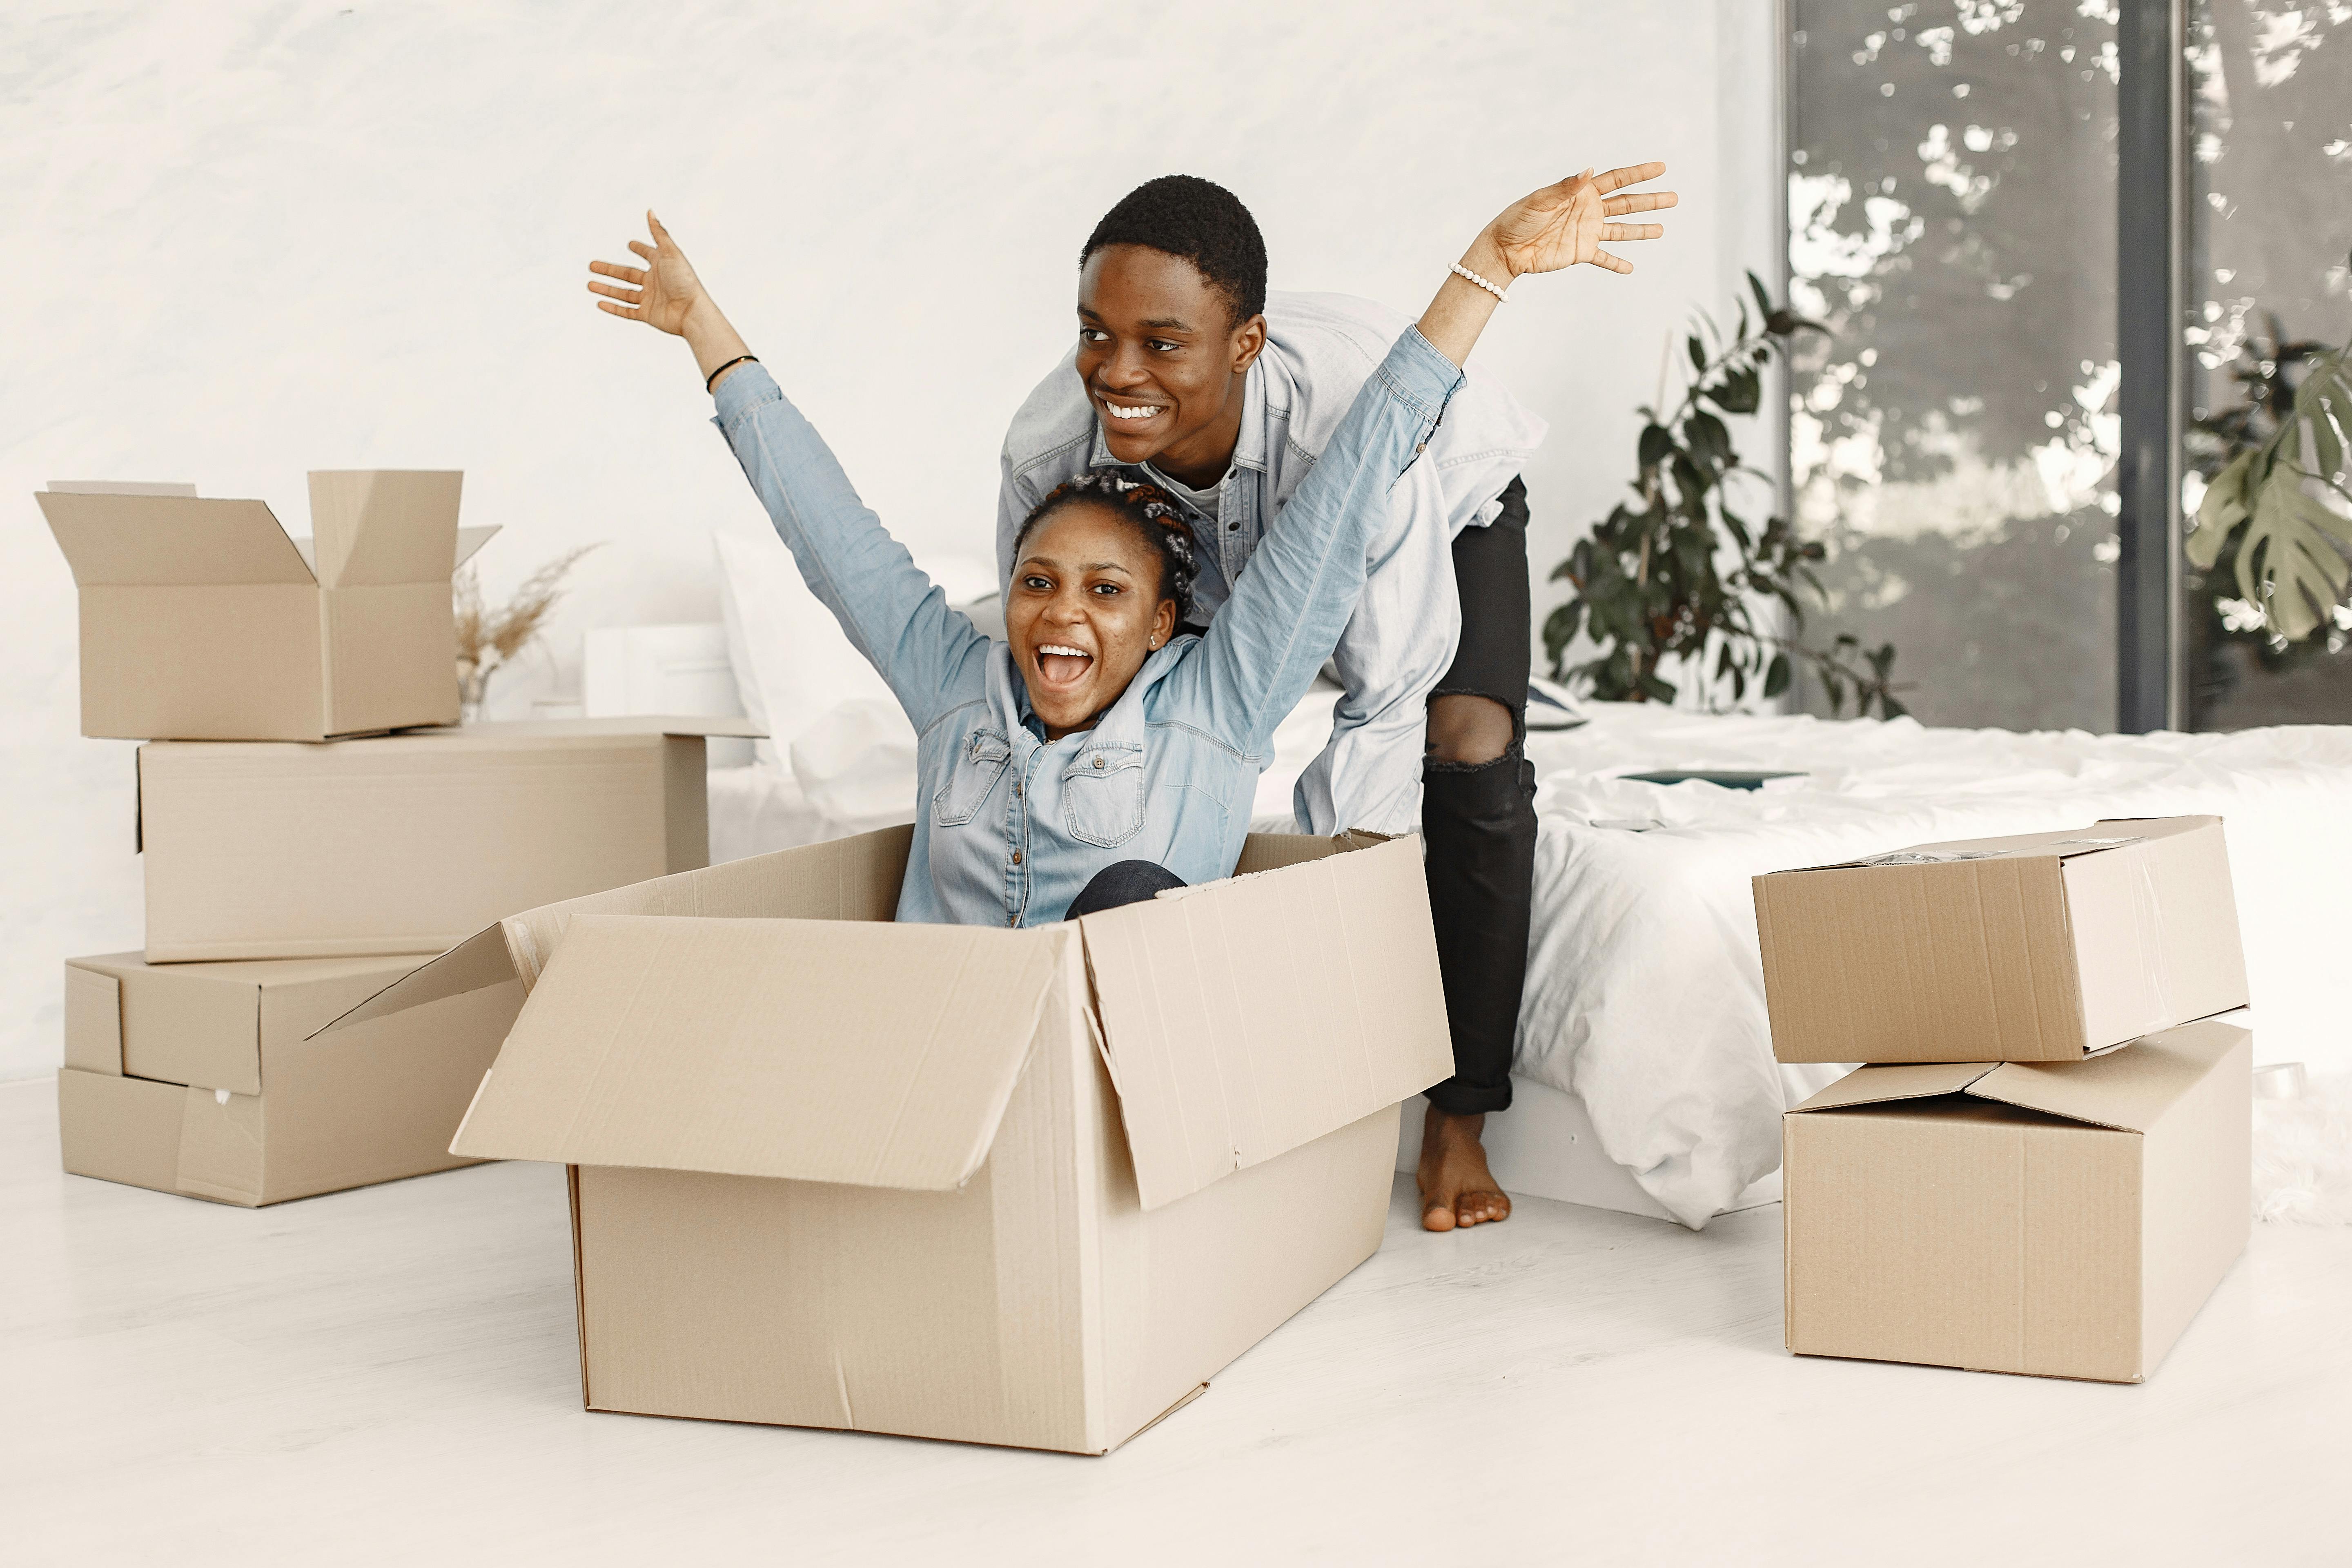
{"x": 1644, "y": 991}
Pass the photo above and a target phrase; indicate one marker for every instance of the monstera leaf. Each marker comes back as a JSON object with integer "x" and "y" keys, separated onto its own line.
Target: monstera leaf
{"x": 2291, "y": 498}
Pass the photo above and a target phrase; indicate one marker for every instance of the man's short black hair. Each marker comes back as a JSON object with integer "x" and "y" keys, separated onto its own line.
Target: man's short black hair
{"x": 1202, "y": 222}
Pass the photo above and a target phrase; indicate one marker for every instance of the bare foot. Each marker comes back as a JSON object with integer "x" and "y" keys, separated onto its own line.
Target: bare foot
{"x": 1456, "y": 1188}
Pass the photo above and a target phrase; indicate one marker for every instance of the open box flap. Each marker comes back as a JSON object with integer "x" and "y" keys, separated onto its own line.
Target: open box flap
{"x": 2129, "y": 1089}
{"x": 842, "y": 879}
{"x": 113, "y": 540}
{"x": 848, "y": 1051}
{"x": 1245, "y": 1018}
{"x": 374, "y": 527}
{"x": 1895, "y": 1082}
{"x": 2062, "y": 845}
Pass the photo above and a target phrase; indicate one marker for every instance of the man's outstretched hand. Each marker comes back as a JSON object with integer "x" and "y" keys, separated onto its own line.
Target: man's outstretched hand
{"x": 1566, "y": 223}
{"x": 663, "y": 290}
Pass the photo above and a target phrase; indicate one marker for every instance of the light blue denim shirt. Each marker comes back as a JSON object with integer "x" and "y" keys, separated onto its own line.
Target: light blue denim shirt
{"x": 1010, "y": 827}
{"x": 1400, "y": 640}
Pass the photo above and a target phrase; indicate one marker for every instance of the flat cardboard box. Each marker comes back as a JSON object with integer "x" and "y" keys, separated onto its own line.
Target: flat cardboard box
{"x": 196, "y": 1077}
{"x": 406, "y": 843}
{"x": 2059, "y": 1220}
{"x": 1025, "y": 1187}
{"x": 2046, "y": 947}
{"x": 202, "y": 620}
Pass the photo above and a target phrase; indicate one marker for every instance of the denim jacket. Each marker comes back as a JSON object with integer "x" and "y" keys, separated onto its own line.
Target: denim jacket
{"x": 1010, "y": 826}
{"x": 1400, "y": 640}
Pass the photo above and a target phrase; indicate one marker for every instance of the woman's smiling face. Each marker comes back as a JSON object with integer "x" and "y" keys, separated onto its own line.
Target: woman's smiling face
{"x": 1082, "y": 612}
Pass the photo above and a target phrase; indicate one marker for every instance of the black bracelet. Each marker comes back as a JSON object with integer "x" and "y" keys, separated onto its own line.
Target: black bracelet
{"x": 711, "y": 383}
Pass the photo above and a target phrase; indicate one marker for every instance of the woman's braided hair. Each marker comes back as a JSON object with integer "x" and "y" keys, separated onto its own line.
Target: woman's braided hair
{"x": 1147, "y": 509}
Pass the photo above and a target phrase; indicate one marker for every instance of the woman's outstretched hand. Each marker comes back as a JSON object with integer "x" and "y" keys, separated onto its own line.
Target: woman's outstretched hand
{"x": 661, "y": 292}
{"x": 1566, "y": 223}
{"x": 666, "y": 294}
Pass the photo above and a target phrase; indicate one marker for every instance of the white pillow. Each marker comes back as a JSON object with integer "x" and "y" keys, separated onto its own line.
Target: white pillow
{"x": 793, "y": 662}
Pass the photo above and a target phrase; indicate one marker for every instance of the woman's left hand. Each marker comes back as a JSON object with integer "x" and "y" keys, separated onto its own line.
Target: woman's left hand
{"x": 1566, "y": 223}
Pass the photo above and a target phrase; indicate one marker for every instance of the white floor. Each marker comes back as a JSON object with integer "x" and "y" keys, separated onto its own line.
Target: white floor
{"x": 388, "y": 1376}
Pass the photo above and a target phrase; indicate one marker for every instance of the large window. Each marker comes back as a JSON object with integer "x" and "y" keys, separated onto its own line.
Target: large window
{"x": 2269, "y": 221}
{"x": 1953, "y": 438}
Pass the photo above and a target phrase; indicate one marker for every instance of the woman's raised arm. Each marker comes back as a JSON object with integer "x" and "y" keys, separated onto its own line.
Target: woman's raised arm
{"x": 928, "y": 652}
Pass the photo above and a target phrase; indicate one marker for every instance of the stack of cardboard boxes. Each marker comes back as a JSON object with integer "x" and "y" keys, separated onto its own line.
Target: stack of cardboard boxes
{"x": 2046, "y": 1167}
{"x": 294, "y": 868}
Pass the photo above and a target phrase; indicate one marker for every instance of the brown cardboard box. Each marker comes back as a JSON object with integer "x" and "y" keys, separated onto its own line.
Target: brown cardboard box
{"x": 196, "y": 1077}
{"x": 2061, "y": 1220}
{"x": 1028, "y": 1187}
{"x": 202, "y": 620}
{"x": 2047, "y": 947}
{"x": 406, "y": 843}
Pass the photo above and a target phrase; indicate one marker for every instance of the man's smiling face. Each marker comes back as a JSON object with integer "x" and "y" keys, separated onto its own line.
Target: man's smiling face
{"x": 1163, "y": 360}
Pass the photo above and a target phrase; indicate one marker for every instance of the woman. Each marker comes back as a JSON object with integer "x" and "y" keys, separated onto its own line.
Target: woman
{"x": 1098, "y": 755}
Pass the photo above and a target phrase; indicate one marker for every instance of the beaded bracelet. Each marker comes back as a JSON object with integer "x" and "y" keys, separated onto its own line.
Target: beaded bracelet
{"x": 1462, "y": 271}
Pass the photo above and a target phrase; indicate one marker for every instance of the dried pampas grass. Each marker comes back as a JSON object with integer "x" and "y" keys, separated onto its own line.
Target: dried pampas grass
{"x": 487, "y": 639}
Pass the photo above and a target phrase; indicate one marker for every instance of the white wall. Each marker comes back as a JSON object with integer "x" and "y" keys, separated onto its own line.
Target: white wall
{"x": 250, "y": 239}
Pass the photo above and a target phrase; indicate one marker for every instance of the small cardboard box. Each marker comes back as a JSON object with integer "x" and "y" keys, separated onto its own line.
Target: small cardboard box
{"x": 406, "y": 843}
{"x": 196, "y": 1077}
{"x": 202, "y": 620}
{"x": 1028, "y": 1187}
{"x": 2061, "y": 1220}
{"x": 2047, "y": 947}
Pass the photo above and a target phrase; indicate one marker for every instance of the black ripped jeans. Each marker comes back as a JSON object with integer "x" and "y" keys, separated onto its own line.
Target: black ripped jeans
{"x": 1478, "y": 820}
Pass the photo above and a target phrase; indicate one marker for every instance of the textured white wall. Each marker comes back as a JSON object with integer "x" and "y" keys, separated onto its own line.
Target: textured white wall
{"x": 250, "y": 239}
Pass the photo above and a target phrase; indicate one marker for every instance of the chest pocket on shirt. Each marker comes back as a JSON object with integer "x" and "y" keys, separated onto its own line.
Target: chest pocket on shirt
{"x": 1102, "y": 793}
{"x": 980, "y": 761}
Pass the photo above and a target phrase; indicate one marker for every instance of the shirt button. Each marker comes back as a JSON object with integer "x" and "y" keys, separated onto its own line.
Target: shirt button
{"x": 1233, "y": 528}
{"x": 1017, "y": 857}
{"x": 1422, "y": 447}
{"x": 1098, "y": 762}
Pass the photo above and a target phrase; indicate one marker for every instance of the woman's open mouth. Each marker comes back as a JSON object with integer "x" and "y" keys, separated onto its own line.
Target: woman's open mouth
{"x": 1062, "y": 667}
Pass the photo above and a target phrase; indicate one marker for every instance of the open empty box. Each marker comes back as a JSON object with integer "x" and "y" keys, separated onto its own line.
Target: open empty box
{"x": 202, "y": 620}
{"x": 2045, "y": 947}
{"x": 1028, "y": 1187}
{"x": 408, "y": 843}
{"x": 196, "y": 1077}
{"x": 2061, "y": 1219}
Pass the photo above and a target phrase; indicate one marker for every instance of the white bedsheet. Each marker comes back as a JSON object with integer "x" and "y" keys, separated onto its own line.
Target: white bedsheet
{"x": 1644, "y": 990}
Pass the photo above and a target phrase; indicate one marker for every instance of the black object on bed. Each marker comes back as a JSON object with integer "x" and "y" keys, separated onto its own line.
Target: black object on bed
{"x": 1723, "y": 778}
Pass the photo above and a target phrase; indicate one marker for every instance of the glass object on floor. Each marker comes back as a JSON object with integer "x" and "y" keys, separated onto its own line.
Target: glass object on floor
{"x": 2270, "y": 221}
{"x": 1952, "y": 221}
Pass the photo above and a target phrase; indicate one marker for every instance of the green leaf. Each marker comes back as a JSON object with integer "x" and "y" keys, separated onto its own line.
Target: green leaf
{"x": 1710, "y": 441}
{"x": 1763, "y": 300}
{"x": 1698, "y": 354}
{"x": 1776, "y": 676}
{"x": 1657, "y": 445}
{"x": 1740, "y": 390}
{"x": 2288, "y": 561}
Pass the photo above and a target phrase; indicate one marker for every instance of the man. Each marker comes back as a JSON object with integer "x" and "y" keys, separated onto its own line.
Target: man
{"x": 1187, "y": 372}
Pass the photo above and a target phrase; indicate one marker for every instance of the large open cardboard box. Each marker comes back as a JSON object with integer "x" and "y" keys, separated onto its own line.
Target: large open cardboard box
{"x": 2045, "y": 947}
{"x": 2062, "y": 1220}
{"x": 406, "y": 843}
{"x": 202, "y": 620}
{"x": 197, "y": 1078}
{"x": 1029, "y": 1188}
